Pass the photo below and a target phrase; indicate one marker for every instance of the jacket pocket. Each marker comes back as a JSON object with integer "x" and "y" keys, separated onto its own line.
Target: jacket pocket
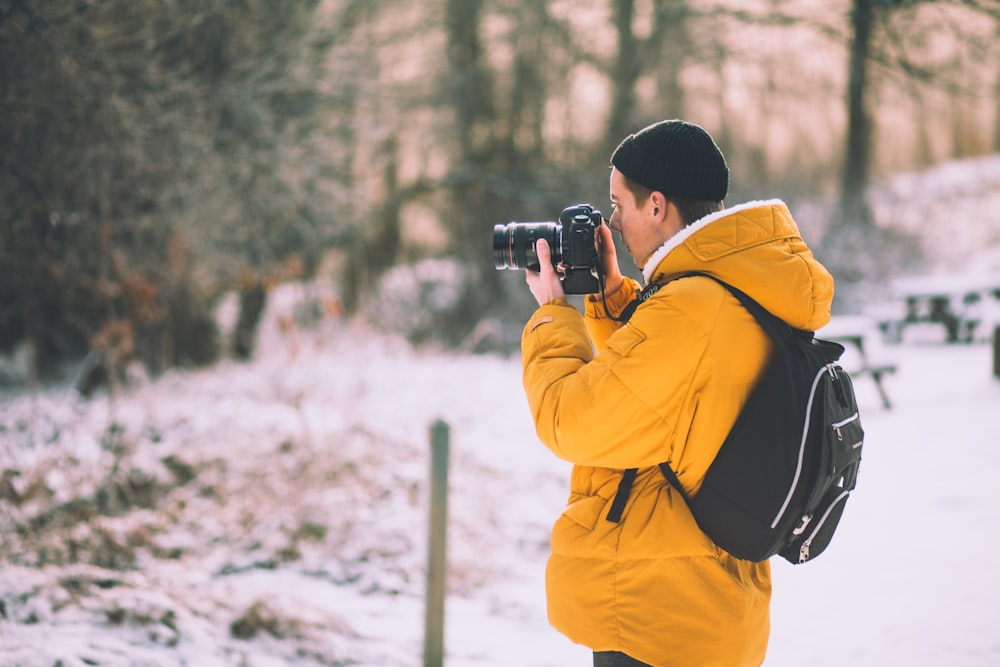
{"x": 586, "y": 511}
{"x": 623, "y": 340}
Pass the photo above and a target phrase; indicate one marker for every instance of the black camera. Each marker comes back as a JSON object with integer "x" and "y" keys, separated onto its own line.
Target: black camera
{"x": 572, "y": 241}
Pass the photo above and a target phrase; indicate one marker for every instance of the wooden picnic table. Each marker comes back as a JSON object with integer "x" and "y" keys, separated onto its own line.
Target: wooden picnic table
{"x": 952, "y": 301}
{"x": 855, "y": 333}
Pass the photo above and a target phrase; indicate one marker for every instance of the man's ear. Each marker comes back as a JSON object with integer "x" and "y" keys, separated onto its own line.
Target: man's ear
{"x": 659, "y": 204}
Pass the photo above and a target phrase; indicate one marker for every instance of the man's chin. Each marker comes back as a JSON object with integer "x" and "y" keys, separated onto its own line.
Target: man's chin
{"x": 639, "y": 265}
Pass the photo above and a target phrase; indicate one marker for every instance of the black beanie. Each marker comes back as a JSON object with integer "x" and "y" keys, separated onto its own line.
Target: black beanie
{"x": 676, "y": 158}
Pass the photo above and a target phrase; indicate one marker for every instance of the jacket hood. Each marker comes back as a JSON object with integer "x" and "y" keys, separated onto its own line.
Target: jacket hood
{"x": 757, "y": 248}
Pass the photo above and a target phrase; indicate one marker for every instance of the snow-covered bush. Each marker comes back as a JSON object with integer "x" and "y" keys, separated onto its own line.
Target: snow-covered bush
{"x": 421, "y": 301}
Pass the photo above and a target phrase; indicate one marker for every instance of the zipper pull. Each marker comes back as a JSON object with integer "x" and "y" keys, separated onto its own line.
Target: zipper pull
{"x": 804, "y": 551}
{"x": 803, "y": 522}
{"x": 838, "y": 387}
{"x": 837, "y": 426}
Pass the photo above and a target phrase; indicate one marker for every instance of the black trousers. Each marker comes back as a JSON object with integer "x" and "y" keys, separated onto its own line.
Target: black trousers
{"x": 615, "y": 659}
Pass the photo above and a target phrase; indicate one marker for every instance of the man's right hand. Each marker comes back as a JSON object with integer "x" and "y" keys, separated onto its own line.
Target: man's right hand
{"x": 613, "y": 279}
{"x": 544, "y": 284}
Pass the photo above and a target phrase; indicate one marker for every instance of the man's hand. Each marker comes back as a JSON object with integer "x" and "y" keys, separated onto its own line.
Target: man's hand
{"x": 544, "y": 284}
{"x": 613, "y": 279}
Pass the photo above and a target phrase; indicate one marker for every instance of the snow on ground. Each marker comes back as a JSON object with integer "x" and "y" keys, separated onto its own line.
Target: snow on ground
{"x": 288, "y": 523}
{"x": 910, "y": 579}
{"x": 298, "y": 537}
{"x": 274, "y": 513}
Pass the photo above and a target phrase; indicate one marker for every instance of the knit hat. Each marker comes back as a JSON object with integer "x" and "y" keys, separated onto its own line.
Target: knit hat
{"x": 676, "y": 158}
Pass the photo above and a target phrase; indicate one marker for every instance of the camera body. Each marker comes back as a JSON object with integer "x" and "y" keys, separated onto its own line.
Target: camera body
{"x": 571, "y": 239}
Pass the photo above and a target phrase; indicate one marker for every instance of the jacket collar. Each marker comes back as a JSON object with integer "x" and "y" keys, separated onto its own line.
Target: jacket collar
{"x": 687, "y": 232}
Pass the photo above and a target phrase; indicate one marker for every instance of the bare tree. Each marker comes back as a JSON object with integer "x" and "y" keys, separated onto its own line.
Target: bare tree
{"x": 624, "y": 72}
{"x": 883, "y": 35}
{"x": 854, "y": 182}
{"x": 178, "y": 151}
{"x": 671, "y": 43}
{"x": 996, "y": 112}
{"x": 659, "y": 54}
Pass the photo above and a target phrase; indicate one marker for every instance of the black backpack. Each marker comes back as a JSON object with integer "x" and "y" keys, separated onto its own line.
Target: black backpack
{"x": 785, "y": 471}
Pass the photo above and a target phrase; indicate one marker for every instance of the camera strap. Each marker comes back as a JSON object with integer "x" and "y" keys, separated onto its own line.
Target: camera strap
{"x": 647, "y": 292}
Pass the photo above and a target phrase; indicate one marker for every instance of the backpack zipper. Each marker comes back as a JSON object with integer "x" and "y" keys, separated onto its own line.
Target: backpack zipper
{"x": 836, "y": 383}
{"x": 844, "y": 422}
{"x": 804, "y": 549}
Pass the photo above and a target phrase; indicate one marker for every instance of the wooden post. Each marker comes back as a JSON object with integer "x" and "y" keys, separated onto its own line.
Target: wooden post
{"x": 434, "y": 616}
{"x": 996, "y": 352}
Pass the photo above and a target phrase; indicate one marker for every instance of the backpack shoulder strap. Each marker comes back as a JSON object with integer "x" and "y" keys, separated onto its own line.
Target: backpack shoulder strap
{"x": 671, "y": 476}
{"x": 622, "y": 494}
{"x": 776, "y": 328}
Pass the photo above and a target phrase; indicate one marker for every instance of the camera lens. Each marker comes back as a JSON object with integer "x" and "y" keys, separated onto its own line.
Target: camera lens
{"x": 514, "y": 244}
{"x": 503, "y": 251}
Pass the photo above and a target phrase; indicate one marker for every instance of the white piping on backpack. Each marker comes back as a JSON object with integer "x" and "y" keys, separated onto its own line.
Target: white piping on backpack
{"x": 802, "y": 445}
{"x": 844, "y": 422}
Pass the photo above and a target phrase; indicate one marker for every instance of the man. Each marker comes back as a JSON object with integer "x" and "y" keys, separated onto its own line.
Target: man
{"x": 667, "y": 385}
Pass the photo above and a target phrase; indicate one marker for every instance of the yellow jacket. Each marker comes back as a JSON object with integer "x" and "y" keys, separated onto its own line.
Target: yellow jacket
{"x": 665, "y": 387}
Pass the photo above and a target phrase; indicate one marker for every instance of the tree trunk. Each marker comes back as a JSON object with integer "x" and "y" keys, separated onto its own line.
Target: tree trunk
{"x": 624, "y": 74}
{"x": 469, "y": 93}
{"x": 253, "y": 299}
{"x": 670, "y": 33}
{"x": 925, "y": 148}
{"x": 853, "y": 204}
{"x": 996, "y": 107}
{"x": 526, "y": 117}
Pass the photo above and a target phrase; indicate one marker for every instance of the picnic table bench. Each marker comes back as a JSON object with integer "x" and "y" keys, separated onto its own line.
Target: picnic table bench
{"x": 956, "y": 302}
{"x": 853, "y": 332}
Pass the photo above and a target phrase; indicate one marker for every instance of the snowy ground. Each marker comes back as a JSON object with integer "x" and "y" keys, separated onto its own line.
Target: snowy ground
{"x": 274, "y": 513}
{"x": 289, "y": 527}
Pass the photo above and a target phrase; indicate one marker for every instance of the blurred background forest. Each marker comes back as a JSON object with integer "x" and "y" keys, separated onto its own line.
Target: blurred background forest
{"x": 159, "y": 156}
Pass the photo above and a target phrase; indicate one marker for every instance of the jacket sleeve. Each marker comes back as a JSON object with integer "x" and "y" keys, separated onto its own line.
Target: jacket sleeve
{"x": 618, "y": 409}
{"x": 599, "y": 325}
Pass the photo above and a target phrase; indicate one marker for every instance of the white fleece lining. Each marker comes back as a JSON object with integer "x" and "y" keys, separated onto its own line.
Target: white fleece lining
{"x": 685, "y": 233}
